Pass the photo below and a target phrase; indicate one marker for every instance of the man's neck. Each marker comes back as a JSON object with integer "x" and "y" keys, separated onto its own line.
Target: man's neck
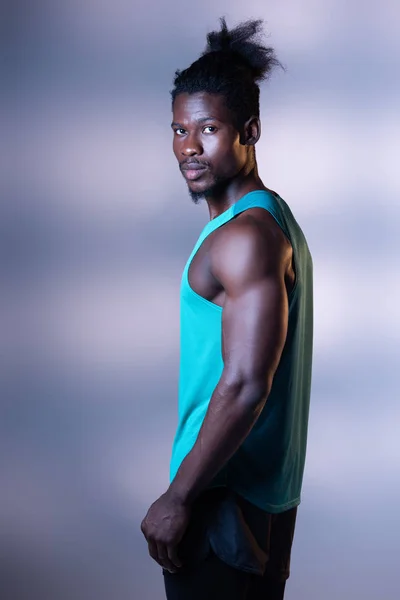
{"x": 230, "y": 194}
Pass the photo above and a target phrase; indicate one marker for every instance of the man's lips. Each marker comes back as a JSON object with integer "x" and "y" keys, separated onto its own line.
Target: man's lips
{"x": 193, "y": 171}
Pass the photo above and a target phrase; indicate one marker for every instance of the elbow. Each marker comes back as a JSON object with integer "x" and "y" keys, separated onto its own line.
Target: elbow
{"x": 255, "y": 393}
{"x": 250, "y": 392}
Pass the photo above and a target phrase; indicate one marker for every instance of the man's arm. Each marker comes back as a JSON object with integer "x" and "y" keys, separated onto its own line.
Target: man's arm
{"x": 250, "y": 266}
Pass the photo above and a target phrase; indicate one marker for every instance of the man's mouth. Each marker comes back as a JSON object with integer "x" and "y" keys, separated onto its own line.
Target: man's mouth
{"x": 193, "y": 171}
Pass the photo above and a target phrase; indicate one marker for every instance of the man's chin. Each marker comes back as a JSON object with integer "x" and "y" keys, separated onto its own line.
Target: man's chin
{"x": 196, "y": 196}
{"x": 213, "y": 190}
{"x": 196, "y": 193}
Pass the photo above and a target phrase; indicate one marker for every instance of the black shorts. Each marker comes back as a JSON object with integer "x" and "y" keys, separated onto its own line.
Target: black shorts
{"x": 230, "y": 539}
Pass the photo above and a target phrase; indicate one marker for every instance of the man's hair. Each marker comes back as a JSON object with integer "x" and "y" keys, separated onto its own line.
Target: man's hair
{"x": 233, "y": 64}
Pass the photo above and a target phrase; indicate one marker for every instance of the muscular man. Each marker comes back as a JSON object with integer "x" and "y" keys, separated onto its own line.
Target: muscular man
{"x": 224, "y": 528}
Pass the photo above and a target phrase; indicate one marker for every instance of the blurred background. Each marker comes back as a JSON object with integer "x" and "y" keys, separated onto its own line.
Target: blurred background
{"x": 96, "y": 226}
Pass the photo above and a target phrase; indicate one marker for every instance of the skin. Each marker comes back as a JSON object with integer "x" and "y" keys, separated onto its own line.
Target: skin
{"x": 246, "y": 267}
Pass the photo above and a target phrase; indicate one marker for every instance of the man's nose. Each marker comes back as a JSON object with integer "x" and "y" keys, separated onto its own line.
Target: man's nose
{"x": 191, "y": 146}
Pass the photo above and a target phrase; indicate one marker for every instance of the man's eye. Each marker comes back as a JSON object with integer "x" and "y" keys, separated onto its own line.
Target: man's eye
{"x": 213, "y": 129}
{"x": 179, "y": 131}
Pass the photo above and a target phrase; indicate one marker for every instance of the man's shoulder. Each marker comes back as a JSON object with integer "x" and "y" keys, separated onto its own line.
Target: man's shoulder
{"x": 253, "y": 233}
{"x": 248, "y": 247}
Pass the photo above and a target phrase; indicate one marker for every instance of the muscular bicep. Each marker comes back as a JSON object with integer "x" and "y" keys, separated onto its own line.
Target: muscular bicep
{"x": 250, "y": 263}
{"x": 254, "y": 327}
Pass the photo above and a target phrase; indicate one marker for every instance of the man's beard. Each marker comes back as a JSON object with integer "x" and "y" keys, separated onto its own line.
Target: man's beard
{"x": 214, "y": 190}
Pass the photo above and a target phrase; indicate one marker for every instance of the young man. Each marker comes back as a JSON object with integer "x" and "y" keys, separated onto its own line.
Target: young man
{"x": 224, "y": 528}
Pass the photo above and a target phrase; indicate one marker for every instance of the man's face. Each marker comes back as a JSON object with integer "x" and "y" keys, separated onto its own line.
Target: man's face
{"x": 206, "y": 142}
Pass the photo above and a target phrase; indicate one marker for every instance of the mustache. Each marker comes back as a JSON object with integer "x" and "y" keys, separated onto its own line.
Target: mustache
{"x": 190, "y": 161}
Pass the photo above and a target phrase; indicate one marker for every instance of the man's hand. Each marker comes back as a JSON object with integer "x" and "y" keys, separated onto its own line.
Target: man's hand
{"x": 163, "y": 527}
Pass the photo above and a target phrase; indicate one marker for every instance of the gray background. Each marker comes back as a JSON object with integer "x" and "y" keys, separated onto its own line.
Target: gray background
{"x": 96, "y": 225}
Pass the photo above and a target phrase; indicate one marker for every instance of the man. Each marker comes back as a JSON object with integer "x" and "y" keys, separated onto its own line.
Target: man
{"x": 224, "y": 528}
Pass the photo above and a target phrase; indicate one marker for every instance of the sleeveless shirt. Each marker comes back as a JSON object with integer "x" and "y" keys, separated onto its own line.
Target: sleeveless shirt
{"x": 267, "y": 469}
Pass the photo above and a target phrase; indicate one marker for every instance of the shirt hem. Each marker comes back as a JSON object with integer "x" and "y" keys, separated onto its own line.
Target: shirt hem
{"x": 270, "y": 508}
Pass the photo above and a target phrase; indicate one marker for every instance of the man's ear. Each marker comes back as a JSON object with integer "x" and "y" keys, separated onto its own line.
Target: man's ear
{"x": 251, "y": 131}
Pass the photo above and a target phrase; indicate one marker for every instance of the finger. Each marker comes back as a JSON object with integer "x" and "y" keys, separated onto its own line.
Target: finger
{"x": 173, "y": 556}
{"x": 153, "y": 550}
{"x": 143, "y": 527}
{"x": 163, "y": 558}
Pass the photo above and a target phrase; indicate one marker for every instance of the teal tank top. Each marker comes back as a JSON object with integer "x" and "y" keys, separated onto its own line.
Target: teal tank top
{"x": 268, "y": 467}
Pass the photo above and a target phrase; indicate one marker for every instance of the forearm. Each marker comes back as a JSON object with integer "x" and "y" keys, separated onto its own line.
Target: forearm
{"x": 232, "y": 412}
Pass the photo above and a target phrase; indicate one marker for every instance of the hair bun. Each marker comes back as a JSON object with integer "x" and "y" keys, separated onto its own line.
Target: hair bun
{"x": 245, "y": 42}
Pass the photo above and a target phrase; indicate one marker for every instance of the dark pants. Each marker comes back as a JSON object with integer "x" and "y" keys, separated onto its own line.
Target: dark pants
{"x": 215, "y": 580}
{"x": 232, "y": 551}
